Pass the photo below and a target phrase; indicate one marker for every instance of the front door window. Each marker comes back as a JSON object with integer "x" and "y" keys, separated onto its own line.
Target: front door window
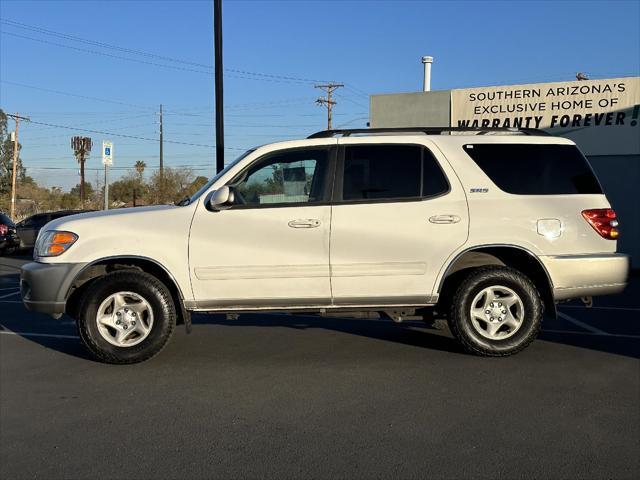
{"x": 295, "y": 177}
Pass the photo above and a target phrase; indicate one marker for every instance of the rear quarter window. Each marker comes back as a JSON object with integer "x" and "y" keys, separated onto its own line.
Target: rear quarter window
{"x": 533, "y": 169}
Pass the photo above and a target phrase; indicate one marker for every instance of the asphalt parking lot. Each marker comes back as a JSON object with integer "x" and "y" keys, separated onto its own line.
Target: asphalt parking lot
{"x": 275, "y": 396}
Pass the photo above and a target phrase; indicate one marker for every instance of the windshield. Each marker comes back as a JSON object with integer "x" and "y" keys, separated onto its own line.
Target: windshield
{"x": 207, "y": 185}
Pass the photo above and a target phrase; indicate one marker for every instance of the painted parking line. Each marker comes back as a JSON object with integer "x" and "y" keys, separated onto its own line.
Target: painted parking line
{"x": 629, "y": 309}
{"x": 10, "y": 301}
{"x": 6, "y": 331}
{"x": 564, "y": 332}
{"x": 17, "y": 287}
{"x": 580, "y": 324}
{"x": 10, "y": 294}
{"x": 575, "y": 332}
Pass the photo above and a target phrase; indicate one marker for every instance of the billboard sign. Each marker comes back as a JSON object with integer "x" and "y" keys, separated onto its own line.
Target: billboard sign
{"x": 569, "y": 109}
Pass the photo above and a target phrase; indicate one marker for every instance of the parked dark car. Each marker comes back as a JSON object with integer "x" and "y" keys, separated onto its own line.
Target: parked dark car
{"x": 8, "y": 237}
{"x": 29, "y": 228}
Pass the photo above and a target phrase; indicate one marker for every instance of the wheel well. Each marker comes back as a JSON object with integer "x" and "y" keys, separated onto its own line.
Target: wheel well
{"x": 103, "y": 267}
{"x": 516, "y": 258}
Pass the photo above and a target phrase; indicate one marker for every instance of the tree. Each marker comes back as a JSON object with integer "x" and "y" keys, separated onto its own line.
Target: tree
{"x": 70, "y": 201}
{"x": 122, "y": 190}
{"x": 140, "y": 166}
{"x": 196, "y": 185}
{"x": 176, "y": 184}
{"x": 88, "y": 190}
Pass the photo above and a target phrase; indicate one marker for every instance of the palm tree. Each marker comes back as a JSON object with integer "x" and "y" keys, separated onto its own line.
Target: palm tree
{"x": 140, "y": 166}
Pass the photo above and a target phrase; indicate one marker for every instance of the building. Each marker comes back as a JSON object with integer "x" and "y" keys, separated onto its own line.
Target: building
{"x": 601, "y": 116}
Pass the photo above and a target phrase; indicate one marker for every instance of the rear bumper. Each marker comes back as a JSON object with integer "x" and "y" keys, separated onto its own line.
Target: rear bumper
{"x": 44, "y": 286}
{"x": 575, "y": 276}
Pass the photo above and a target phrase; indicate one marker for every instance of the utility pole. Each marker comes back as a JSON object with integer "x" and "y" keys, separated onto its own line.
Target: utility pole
{"x": 328, "y": 101}
{"x": 217, "y": 36}
{"x": 16, "y": 117}
{"x": 161, "y": 161}
{"x": 81, "y": 148}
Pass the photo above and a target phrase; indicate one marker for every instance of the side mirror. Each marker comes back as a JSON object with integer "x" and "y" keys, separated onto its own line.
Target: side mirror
{"x": 221, "y": 199}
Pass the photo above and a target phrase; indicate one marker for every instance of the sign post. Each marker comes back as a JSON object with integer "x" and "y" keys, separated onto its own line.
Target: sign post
{"x": 107, "y": 161}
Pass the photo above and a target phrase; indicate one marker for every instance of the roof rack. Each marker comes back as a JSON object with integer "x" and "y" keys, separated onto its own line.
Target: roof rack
{"x": 427, "y": 131}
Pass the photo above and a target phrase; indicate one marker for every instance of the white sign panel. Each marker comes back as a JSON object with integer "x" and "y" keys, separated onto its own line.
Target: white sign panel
{"x": 107, "y": 153}
{"x": 601, "y": 116}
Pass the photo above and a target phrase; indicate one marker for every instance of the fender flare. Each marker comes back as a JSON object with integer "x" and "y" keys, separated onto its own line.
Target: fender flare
{"x": 186, "y": 315}
{"x": 548, "y": 299}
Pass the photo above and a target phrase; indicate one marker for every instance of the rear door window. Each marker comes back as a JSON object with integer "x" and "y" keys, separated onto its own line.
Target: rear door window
{"x": 533, "y": 169}
{"x": 388, "y": 172}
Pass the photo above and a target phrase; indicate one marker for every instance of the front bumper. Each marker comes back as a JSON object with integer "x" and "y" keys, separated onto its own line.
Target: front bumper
{"x": 575, "y": 276}
{"x": 44, "y": 286}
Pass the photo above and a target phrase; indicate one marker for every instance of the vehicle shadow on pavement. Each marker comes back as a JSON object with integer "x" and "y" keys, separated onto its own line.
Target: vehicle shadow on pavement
{"x": 69, "y": 346}
{"x": 419, "y": 334}
{"x": 413, "y": 333}
{"x": 629, "y": 347}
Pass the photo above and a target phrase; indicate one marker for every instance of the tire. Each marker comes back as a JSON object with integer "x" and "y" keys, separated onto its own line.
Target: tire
{"x": 480, "y": 324}
{"x": 129, "y": 298}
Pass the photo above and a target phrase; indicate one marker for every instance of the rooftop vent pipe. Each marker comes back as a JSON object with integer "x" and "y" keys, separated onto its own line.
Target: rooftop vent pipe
{"x": 427, "y": 61}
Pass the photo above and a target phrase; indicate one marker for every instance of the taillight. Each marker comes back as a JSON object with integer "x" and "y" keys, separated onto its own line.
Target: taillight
{"x": 603, "y": 221}
{"x": 4, "y": 229}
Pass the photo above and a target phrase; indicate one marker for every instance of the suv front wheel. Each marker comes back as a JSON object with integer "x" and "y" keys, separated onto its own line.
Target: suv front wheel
{"x": 126, "y": 317}
{"x": 496, "y": 311}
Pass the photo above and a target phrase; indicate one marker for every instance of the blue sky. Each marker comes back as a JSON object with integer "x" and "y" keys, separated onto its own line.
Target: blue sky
{"x": 371, "y": 46}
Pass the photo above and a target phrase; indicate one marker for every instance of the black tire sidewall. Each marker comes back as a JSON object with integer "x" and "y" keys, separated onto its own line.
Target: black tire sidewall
{"x": 467, "y": 292}
{"x": 153, "y": 291}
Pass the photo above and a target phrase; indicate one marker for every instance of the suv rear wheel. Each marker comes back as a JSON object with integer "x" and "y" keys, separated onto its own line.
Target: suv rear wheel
{"x": 496, "y": 311}
{"x": 126, "y": 317}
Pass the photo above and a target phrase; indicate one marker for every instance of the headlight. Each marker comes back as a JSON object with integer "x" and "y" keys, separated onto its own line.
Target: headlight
{"x": 53, "y": 243}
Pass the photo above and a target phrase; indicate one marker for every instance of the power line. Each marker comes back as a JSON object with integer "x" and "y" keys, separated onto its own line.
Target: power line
{"x": 342, "y": 125}
{"x": 59, "y": 136}
{"x": 245, "y": 125}
{"x": 104, "y": 54}
{"x": 86, "y": 41}
{"x": 100, "y": 132}
{"x": 357, "y": 91}
{"x": 32, "y": 159}
{"x": 59, "y": 92}
{"x": 246, "y": 75}
{"x": 112, "y": 120}
{"x": 66, "y": 36}
{"x": 132, "y": 167}
{"x": 350, "y": 100}
{"x": 240, "y": 106}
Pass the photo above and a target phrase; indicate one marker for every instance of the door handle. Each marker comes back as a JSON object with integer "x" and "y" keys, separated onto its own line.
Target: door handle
{"x": 304, "y": 223}
{"x": 442, "y": 219}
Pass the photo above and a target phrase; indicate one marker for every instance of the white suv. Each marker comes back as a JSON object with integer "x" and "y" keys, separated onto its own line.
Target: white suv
{"x": 488, "y": 228}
